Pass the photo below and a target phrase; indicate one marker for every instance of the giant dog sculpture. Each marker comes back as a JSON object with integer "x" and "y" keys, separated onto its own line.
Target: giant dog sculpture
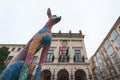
{"x": 19, "y": 66}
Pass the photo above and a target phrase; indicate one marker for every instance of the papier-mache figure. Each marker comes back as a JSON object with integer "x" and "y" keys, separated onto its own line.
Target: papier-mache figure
{"x": 19, "y": 66}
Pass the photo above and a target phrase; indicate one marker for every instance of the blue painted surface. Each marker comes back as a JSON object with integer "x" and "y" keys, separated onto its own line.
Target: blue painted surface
{"x": 44, "y": 29}
{"x": 46, "y": 40}
{"x": 38, "y": 72}
{"x": 12, "y": 72}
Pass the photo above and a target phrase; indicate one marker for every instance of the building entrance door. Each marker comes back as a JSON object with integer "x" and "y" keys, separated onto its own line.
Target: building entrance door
{"x": 45, "y": 75}
{"x": 80, "y": 75}
{"x": 48, "y": 78}
{"x": 63, "y": 75}
{"x": 78, "y": 78}
{"x": 63, "y": 78}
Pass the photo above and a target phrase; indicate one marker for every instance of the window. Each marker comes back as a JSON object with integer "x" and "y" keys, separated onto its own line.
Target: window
{"x": 119, "y": 28}
{"x": 18, "y": 49}
{"x": 118, "y": 66}
{"x": 98, "y": 54}
{"x": 77, "y": 51}
{"x": 99, "y": 57}
{"x": 13, "y": 49}
{"x": 107, "y": 43}
{"x": 34, "y": 61}
{"x": 114, "y": 35}
{"x": 113, "y": 72}
{"x": 78, "y": 56}
{"x": 102, "y": 66}
{"x": 104, "y": 50}
{"x": 110, "y": 50}
{"x": 106, "y": 57}
{"x": 100, "y": 60}
{"x": 50, "y": 56}
{"x": 118, "y": 42}
{"x": 9, "y": 58}
{"x": 104, "y": 72}
{"x": 109, "y": 63}
{"x": 115, "y": 58}
{"x": 64, "y": 43}
{"x": 95, "y": 61}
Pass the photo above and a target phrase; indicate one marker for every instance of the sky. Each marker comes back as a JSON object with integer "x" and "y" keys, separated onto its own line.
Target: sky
{"x": 21, "y": 19}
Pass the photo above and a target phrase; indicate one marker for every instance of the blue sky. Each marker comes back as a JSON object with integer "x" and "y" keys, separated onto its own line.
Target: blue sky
{"x": 21, "y": 19}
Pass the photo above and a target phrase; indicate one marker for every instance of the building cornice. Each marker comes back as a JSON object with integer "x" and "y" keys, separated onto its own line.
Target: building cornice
{"x": 67, "y": 35}
{"x": 12, "y": 44}
{"x": 81, "y": 63}
{"x": 54, "y": 35}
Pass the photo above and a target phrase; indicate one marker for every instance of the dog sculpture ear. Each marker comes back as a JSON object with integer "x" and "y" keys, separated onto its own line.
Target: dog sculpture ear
{"x": 49, "y": 12}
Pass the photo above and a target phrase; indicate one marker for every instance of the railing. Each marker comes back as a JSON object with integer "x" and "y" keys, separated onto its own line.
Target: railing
{"x": 49, "y": 60}
{"x": 114, "y": 74}
{"x": 106, "y": 57}
{"x": 79, "y": 59}
{"x": 63, "y": 59}
{"x": 109, "y": 65}
{"x": 108, "y": 76}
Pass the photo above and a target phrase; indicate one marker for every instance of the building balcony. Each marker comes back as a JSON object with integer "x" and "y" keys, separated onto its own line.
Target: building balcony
{"x": 106, "y": 57}
{"x": 111, "y": 76}
{"x": 49, "y": 60}
{"x": 109, "y": 66}
{"x": 108, "y": 76}
{"x": 79, "y": 59}
{"x": 63, "y": 59}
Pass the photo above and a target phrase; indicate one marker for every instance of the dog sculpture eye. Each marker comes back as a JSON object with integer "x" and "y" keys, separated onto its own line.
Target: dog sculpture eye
{"x": 54, "y": 16}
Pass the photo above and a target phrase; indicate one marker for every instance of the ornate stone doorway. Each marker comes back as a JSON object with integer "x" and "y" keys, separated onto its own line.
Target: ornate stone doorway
{"x": 63, "y": 75}
{"x": 45, "y": 75}
{"x": 80, "y": 75}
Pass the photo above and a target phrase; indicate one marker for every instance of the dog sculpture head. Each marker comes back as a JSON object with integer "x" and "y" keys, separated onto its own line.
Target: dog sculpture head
{"x": 53, "y": 19}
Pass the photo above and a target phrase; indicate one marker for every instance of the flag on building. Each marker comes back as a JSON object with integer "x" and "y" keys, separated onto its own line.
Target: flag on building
{"x": 63, "y": 51}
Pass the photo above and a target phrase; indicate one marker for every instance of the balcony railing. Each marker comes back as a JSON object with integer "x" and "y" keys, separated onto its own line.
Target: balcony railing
{"x": 81, "y": 59}
{"x": 108, "y": 76}
{"x": 109, "y": 65}
{"x": 49, "y": 60}
{"x": 63, "y": 59}
{"x": 78, "y": 60}
{"x": 106, "y": 57}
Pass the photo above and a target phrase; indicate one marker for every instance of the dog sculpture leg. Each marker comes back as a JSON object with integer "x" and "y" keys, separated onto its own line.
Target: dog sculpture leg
{"x": 41, "y": 61}
{"x": 31, "y": 51}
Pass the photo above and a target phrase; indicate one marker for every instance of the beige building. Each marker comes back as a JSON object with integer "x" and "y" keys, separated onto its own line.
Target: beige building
{"x": 67, "y": 58}
{"x": 105, "y": 62}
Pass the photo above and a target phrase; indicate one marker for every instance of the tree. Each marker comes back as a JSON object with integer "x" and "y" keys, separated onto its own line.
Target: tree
{"x": 3, "y": 55}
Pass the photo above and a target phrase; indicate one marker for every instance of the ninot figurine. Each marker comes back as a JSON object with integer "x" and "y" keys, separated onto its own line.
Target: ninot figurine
{"x": 18, "y": 68}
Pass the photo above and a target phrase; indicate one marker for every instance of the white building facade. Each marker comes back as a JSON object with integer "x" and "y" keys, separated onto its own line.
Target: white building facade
{"x": 67, "y": 58}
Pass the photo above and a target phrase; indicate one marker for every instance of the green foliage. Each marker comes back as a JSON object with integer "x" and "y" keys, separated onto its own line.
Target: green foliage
{"x": 3, "y": 55}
